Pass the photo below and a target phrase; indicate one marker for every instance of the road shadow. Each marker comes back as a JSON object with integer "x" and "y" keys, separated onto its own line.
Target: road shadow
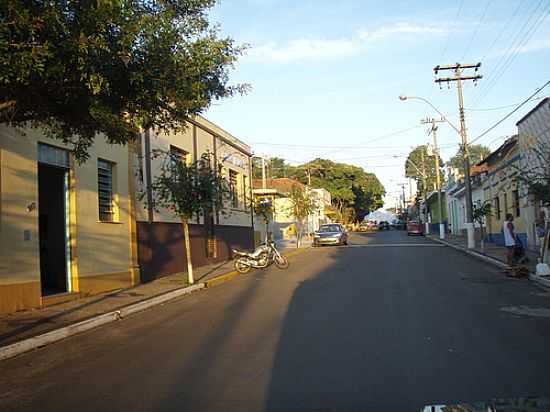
{"x": 373, "y": 336}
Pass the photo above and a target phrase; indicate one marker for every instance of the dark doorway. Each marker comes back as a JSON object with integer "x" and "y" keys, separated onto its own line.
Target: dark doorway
{"x": 52, "y": 206}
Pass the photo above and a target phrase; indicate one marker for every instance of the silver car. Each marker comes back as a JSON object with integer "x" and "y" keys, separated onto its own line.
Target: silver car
{"x": 330, "y": 234}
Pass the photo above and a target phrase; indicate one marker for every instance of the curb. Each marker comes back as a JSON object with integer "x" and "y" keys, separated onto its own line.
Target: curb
{"x": 545, "y": 283}
{"x": 485, "y": 258}
{"x": 532, "y": 277}
{"x": 44, "y": 339}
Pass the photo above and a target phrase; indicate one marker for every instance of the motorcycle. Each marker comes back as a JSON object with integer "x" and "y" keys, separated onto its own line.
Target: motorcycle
{"x": 265, "y": 255}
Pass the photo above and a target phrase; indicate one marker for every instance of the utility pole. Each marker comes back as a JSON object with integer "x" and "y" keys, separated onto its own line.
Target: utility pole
{"x": 459, "y": 78}
{"x": 264, "y": 181}
{"x": 433, "y": 131}
{"x": 424, "y": 192}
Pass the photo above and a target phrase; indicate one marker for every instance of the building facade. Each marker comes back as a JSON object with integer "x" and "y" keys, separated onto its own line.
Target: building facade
{"x": 501, "y": 188}
{"x": 159, "y": 232}
{"x": 66, "y": 228}
{"x": 533, "y": 133}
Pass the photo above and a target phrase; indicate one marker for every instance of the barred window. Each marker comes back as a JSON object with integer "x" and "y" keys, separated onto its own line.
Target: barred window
{"x": 233, "y": 188}
{"x": 497, "y": 207}
{"x": 105, "y": 190}
{"x": 515, "y": 199}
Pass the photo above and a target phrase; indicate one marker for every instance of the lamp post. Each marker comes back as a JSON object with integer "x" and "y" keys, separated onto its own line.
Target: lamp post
{"x": 469, "y": 222}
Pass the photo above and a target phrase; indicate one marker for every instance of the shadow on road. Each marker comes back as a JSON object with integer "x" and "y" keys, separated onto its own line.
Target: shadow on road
{"x": 395, "y": 332}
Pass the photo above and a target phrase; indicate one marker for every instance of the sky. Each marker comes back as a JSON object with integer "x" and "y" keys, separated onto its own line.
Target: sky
{"x": 326, "y": 75}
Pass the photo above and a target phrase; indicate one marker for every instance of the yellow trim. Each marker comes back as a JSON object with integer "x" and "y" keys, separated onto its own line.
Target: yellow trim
{"x": 91, "y": 285}
{"x": 75, "y": 286}
{"x": 59, "y": 298}
{"x": 19, "y": 296}
{"x": 132, "y": 226}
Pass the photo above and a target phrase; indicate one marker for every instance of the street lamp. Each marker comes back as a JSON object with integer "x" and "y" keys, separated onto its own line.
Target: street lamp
{"x": 403, "y": 98}
{"x": 469, "y": 223}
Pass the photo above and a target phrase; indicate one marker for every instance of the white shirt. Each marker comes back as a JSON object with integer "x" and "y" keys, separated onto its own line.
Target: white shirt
{"x": 508, "y": 238}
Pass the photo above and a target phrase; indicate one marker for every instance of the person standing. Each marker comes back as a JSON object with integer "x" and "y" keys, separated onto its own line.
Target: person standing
{"x": 509, "y": 238}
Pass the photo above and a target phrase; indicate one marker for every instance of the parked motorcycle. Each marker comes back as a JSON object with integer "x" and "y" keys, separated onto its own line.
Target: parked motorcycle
{"x": 265, "y": 255}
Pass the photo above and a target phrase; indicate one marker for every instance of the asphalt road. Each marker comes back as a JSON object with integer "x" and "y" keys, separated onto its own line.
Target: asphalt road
{"x": 389, "y": 323}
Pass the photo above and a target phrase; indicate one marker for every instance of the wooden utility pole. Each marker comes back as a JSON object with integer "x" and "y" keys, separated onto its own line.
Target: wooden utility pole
{"x": 433, "y": 131}
{"x": 459, "y": 78}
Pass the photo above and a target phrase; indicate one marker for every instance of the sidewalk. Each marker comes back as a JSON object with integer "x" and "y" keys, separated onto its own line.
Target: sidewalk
{"x": 290, "y": 244}
{"x": 17, "y": 326}
{"x": 491, "y": 250}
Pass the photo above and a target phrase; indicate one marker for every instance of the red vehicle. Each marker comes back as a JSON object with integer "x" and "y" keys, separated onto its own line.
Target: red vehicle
{"x": 415, "y": 228}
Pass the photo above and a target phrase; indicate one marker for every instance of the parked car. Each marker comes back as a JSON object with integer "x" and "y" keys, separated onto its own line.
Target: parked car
{"x": 415, "y": 228}
{"x": 383, "y": 225}
{"x": 330, "y": 234}
{"x": 398, "y": 224}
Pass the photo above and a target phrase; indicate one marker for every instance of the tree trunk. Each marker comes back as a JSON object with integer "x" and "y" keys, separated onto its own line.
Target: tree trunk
{"x": 482, "y": 243}
{"x": 185, "y": 224}
{"x": 298, "y": 233}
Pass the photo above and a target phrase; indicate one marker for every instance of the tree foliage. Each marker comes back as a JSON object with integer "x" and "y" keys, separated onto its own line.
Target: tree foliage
{"x": 189, "y": 190}
{"x": 351, "y": 187}
{"x": 420, "y": 166}
{"x": 301, "y": 206}
{"x": 477, "y": 153}
{"x": 533, "y": 173}
{"x": 79, "y": 68}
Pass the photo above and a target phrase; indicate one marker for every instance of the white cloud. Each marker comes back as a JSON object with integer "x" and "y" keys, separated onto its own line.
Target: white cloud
{"x": 304, "y": 49}
{"x": 400, "y": 28}
{"x": 329, "y": 49}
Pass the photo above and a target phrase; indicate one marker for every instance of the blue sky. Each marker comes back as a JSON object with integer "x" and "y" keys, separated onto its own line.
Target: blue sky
{"x": 326, "y": 75}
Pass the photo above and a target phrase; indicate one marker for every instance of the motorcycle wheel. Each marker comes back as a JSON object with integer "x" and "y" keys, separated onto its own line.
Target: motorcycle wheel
{"x": 281, "y": 262}
{"x": 241, "y": 267}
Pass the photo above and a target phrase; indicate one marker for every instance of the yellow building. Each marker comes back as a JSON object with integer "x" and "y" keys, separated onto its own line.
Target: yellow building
{"x": 66, "y": 229}
{"x": 159, "y": 231}
{"x": 501, "y": 188}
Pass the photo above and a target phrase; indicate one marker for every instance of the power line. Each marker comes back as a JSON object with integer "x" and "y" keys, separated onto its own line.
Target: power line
{"x": 512, "y": 112}
{"x": 521, "y": 38}
{"x": 474, "y": 33}
{"x": 506, "y": 24}
{"x": 501, "y": 107}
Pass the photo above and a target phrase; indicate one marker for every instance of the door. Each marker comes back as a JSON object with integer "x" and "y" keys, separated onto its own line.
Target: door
{"x": 53, "y": 229}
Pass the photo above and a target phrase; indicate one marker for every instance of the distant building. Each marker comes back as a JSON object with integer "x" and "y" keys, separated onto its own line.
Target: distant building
{"x": 283, "y": 222}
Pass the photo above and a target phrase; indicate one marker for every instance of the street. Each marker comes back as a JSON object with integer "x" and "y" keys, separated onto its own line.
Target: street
{"x": 389, "y": 323}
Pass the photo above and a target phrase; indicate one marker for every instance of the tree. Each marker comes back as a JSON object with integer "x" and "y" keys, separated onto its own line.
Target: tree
{"x": 189, "y": 190}
{"x": 263, "y": 207}
{"x": 420, "y": 165}
{"x": 350, "y": 186}
{"x": 477, "y": 153}
{"x": 302, "y": 205}
{"x": 77, "y": 69}
{"x": 480, "y": 213}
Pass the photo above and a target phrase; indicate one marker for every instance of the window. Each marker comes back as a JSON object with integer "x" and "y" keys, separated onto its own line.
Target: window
{"x": 505, "y": 195}
{"x": 515, "y": 199}
{"x": 245, "y": 192}
{"x": 105, "y": 191}
{"x": 180, "y": 155}
{"x": 497, "y": 207}
{"x": 233, "y": 188}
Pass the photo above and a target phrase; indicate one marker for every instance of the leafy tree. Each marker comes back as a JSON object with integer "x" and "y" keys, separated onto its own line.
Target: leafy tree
{"x": 477, "y": 153}
{"x": 189, "y": 190}
{"x": 480, "y": 213}
{"x": 302, "y": 205}
{"x": 350, "y": 187}
{"x": 420, "y": 165}
{"x": 79, "y": 68}
{"x": 263, "y": 207}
